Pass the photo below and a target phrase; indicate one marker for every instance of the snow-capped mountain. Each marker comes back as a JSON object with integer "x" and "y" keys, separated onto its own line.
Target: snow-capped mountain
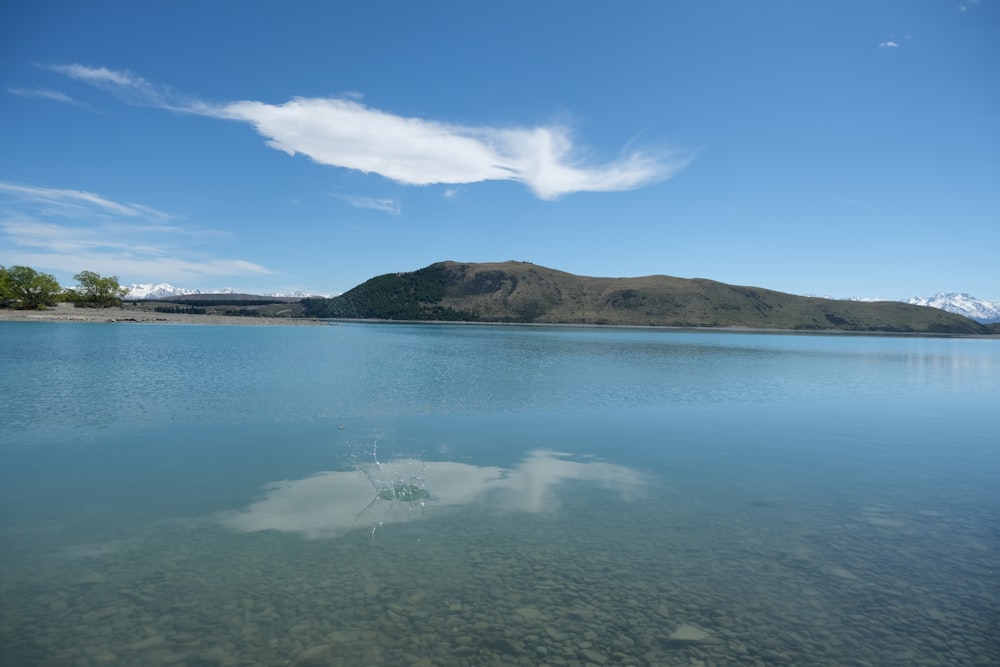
{"x": 980, "y": 310}
{"x": 164, "y": 291}
{"x": 161, "y": 291}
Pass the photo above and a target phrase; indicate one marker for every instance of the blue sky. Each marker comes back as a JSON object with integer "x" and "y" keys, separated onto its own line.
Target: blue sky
{"x": 841, "y": 148}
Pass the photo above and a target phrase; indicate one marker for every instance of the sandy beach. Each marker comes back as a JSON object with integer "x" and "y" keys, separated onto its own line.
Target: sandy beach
{"x": 65, "y": 312}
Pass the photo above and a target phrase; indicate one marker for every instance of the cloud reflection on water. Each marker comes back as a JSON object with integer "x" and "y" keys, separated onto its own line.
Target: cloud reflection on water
{"x": 329, "y": 504}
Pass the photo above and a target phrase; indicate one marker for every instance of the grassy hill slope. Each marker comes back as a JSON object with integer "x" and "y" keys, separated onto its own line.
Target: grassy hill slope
{"x": 524, "y": 292}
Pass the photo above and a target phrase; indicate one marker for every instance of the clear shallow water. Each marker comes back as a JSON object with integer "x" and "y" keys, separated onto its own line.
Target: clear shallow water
{"x": 466, "y": 495}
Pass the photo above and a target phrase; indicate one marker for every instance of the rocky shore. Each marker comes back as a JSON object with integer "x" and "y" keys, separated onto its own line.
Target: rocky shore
{"x": 65, "y": 312}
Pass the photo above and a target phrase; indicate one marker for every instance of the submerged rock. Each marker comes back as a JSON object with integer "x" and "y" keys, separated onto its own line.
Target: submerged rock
{"x": 528, "y": 613}
{"x": 842, "y": 573}
{"x": 505, "y": 645}
{"x": 317, "y": 655}
{"x": 689, "y": 634}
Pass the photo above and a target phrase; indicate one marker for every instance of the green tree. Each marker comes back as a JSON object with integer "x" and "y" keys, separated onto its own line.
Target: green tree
{"x": 97, "y": 291}
{"x": 26, "y": 288}
{"x": 5, "y": 295}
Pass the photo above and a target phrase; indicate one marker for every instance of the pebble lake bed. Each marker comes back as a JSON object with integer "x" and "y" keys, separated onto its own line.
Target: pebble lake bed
{"x": 447, "y": 495}
{"x": 504, "y": 591}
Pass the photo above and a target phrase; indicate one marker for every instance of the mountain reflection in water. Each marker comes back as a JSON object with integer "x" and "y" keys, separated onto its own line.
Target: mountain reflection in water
{"x": 331, "y": 503}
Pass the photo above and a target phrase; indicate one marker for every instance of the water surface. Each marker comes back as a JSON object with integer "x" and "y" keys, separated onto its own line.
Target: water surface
{"x": 467, "y": 495}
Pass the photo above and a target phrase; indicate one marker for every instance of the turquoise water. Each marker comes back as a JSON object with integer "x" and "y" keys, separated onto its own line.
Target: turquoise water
{"x": 468, "y": 495}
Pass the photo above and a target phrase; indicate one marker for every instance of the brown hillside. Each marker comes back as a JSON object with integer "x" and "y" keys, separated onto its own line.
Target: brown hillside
{"x": 524, "y": 292}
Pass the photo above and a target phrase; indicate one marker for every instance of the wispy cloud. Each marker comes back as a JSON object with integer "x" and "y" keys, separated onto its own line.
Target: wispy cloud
{"x": 888, "y": 45}
{"x": 343, "y": 132}
{"x": 376, "y": 204}
{"x": 74, "y": 199}
{"x": 63, "y": 230}
{"x": 51, "y": 95}
{"x": 963, "y": 6}
{"x": 124, "y": 85}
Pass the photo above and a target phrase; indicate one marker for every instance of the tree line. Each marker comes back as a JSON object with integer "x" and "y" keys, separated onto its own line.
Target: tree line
{"x": 23, "y": 287}
{"x": 393, "y": 296}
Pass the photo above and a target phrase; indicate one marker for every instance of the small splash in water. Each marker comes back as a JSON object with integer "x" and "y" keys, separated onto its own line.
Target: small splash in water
{"x": 395, "y": 482}
{"x": 404, "y": 492}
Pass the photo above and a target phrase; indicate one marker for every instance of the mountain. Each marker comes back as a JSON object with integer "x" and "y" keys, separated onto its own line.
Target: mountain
{"x": 139, "y": 292}
{"x": 160, "y": 291}
{"x": 525, "y": 292}
{"x": 980, "y": 310}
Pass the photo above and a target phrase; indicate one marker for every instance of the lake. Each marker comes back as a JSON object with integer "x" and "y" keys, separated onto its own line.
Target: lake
{"x": 367, "y": 494}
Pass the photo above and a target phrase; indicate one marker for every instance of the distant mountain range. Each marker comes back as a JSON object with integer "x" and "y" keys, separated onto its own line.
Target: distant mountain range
{"x": 979, "y": 310}
{"x": 138, "y": 292}
{"x": 528, "y": 293}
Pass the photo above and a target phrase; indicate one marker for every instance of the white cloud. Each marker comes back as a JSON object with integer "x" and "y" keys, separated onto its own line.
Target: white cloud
{"x": 61, "y": 230}
{"x": 52, "y": 95}
{"x": 414, "y": 151}
{"x": 138, "y": 269}
{"x": 342, "y": 132}
{"x": 888, "y": 45}
{"x": 98, "y": 75}
{"x": 376, "y": 204}
{"x": 542, "y": 159}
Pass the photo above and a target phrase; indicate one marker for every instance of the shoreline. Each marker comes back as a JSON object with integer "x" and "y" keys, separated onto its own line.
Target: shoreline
{"x": 65, "y": 312}
{"x": 666, "y": 327}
